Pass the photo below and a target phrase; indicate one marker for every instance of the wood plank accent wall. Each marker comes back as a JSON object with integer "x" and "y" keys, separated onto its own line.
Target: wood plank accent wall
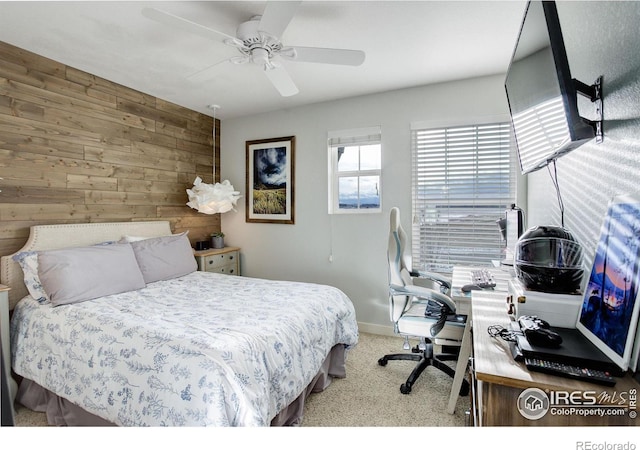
{"x": 78, "y": 148}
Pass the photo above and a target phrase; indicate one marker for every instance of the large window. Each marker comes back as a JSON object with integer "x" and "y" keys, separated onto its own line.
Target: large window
{"x": 463, "y": 179}
{"x": 355, "y": 161}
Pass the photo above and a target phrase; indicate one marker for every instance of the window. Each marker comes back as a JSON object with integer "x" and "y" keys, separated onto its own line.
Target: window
{"x": 355, "y": 161}
{"x": 463, "y": 179}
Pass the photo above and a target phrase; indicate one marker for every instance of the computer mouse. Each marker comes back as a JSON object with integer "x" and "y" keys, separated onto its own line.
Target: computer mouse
{"x": 543, "y": 337}
{"x": 470, "y": 287}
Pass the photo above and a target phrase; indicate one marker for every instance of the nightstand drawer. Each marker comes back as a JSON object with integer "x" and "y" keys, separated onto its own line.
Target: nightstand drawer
{"x": 229, "y": 269}
{"x": 225, "y": 260}
{"x": 212, "y": 262}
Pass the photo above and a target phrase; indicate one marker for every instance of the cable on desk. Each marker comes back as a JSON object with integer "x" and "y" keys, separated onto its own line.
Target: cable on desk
{"x": 498, "y": 331}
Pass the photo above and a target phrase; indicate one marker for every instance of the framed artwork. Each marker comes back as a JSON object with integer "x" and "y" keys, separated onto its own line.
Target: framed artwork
{"x": 610, "y": 307}
{"x": 270, "y": 180}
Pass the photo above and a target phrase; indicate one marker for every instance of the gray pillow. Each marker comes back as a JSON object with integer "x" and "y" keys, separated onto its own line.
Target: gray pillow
{"x": 77, "y": 274}
{"x": 165, "y": 257}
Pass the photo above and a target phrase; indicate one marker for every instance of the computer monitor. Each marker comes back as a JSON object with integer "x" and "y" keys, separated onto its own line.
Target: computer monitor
{"x": 609, "y": 314}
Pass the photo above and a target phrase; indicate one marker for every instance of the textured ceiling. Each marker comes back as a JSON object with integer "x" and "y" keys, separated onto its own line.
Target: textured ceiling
{"x": 407, "y": 44}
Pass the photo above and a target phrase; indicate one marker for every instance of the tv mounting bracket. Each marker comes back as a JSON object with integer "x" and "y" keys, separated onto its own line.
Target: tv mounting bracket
{"x": 593, "y": 93}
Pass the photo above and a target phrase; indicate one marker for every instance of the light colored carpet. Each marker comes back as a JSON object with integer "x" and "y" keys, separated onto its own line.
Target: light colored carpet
{"x": 368, "y": 397}
{"x": 370, "y": 394}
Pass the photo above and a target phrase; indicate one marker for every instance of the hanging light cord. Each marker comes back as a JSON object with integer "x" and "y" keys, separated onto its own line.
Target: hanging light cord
{"x": 214, "y": 108}
{"x": 212, "y": 198}
{"x": 554, "y": 179}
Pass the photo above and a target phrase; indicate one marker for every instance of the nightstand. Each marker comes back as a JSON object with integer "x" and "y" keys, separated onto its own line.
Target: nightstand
{"x": 219, "y": 260}
{"x": 4, "y": 341}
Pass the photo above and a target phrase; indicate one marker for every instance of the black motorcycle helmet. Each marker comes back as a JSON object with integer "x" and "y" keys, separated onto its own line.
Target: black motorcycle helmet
{"x": 549, "y": 259}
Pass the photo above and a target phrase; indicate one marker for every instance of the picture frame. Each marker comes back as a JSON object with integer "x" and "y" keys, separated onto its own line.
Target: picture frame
{"x": 270, "y": 176}
{"x": 611, "y": 304}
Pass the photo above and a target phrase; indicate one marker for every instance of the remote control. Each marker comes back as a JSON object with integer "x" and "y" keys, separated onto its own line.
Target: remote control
{"x": 569, "y": 371}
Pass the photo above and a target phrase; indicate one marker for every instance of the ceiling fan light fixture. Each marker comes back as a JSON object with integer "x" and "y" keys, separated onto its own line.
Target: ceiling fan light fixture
{"x": 260, "y": 56}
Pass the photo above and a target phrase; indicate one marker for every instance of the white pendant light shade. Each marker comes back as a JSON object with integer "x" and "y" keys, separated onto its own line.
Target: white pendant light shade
{"x": 212, "y": 198}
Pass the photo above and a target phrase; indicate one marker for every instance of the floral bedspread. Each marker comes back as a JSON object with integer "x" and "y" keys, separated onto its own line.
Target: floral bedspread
{"x": 200, "y": 350}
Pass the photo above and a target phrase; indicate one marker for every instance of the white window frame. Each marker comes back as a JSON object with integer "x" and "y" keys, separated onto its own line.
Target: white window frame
{"x": 346, "y": 138}
{"x": 454, "y": 229}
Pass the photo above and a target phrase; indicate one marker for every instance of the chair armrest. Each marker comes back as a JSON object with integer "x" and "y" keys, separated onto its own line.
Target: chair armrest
{"x": 423, "y": 293}
{"x": 442, "y": 281}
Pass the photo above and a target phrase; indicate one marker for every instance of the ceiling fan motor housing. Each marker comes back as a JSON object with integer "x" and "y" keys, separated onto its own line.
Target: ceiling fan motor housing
{"x": 260, "y": 46}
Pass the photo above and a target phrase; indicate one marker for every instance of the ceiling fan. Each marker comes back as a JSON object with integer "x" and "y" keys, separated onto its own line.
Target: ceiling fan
{"x": 258, "y": 41}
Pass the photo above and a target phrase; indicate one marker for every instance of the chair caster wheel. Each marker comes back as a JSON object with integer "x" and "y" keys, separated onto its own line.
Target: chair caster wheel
{"x": 405, "y": 389}
{"x": 382, "y": 362}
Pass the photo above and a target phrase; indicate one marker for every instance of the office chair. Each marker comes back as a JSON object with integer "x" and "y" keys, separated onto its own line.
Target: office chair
{"x": 420, "y": 312}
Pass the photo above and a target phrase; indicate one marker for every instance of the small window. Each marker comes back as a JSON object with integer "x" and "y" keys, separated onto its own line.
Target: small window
{"x": 355, "y": 162}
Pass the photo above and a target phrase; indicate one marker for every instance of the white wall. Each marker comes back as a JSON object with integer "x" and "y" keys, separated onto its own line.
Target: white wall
{"x": 358, "y": 243}
{"x": 601, "y": 38}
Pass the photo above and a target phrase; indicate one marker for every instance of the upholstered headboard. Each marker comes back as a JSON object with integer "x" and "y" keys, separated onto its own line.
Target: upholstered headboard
{"x": 49, "y": 237}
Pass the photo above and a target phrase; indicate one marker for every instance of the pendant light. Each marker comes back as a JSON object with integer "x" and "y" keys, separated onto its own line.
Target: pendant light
{"x": 216, "y": 197}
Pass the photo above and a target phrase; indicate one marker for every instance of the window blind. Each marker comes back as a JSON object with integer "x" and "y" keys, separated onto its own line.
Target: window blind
{"x": 359, "y": 136}
{"x": 463, "y": 179}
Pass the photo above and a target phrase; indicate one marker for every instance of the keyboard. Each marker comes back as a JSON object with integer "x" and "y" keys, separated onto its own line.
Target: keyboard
{"x": 482, "y": 278}
{"x": 569, "y": 371}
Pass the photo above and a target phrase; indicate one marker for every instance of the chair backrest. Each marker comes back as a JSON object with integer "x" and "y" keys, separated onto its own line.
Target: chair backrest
{"x": 398, "y": 253}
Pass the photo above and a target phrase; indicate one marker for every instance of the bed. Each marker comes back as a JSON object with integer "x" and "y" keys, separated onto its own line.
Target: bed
{"x": 103, "y": 337}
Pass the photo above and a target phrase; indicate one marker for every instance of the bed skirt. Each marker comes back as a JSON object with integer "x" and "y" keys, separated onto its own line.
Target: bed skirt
{"x": 61, "y": 412}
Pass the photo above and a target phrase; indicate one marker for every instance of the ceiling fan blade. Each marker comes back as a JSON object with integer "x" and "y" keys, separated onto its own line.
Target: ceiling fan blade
{"x": 207, "y": 73}
{"x": 181, "y": 23}
{"x": 276, "y": 17}
{"x": 325, "y": 55}
{"x": 281, "y": 80}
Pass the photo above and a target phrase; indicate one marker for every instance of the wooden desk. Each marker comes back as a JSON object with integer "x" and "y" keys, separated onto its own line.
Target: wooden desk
{"x": 498, "y": 380}
{"x": 461, "y": 276}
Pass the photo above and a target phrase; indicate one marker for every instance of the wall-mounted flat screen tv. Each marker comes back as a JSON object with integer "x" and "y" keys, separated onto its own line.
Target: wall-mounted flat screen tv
{"x": 542, "y": 95}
